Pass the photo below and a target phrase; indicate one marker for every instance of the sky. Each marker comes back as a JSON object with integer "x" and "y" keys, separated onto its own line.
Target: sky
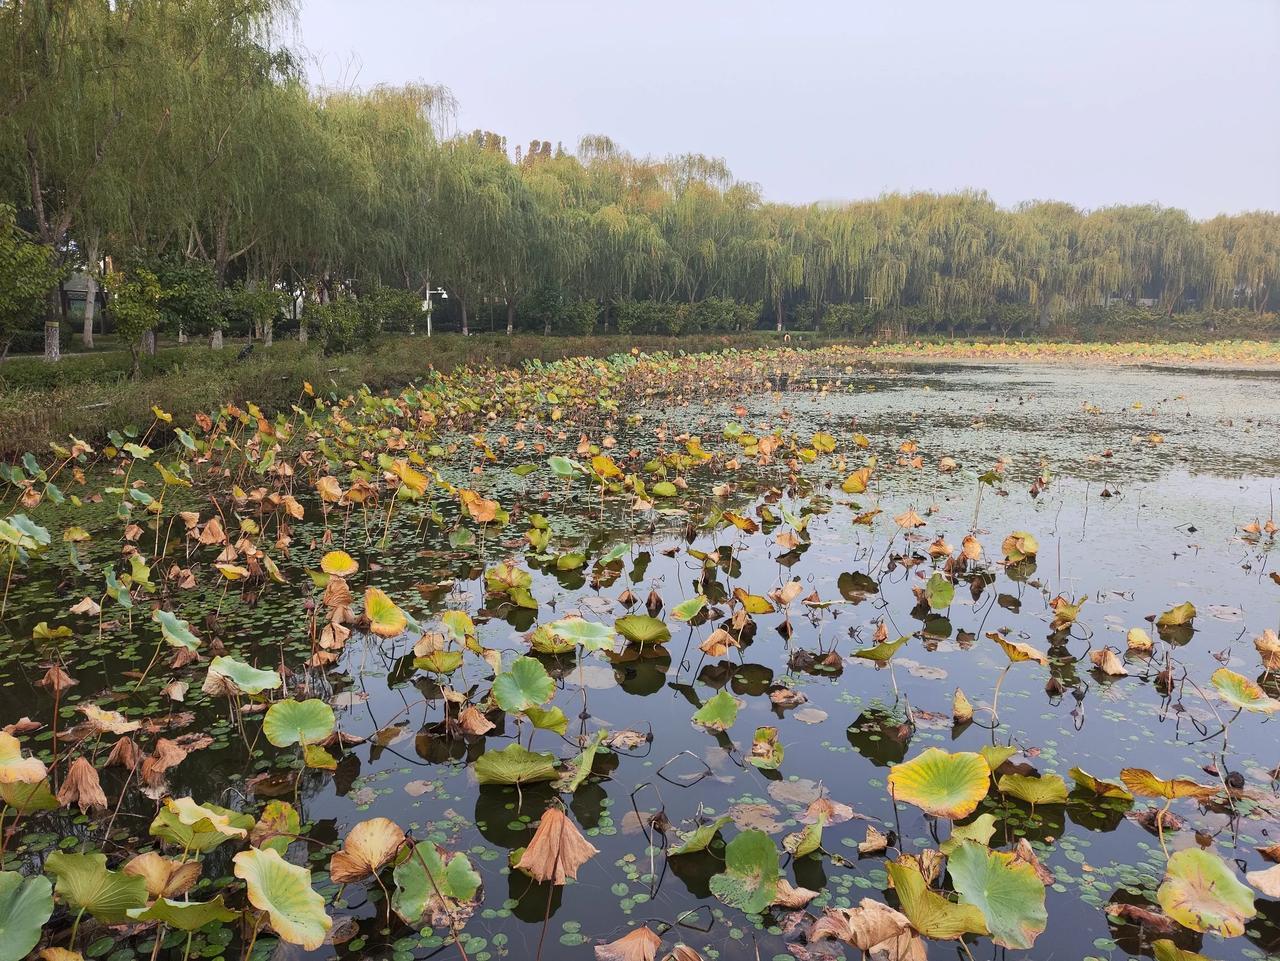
{"x": 1095, "y": 102}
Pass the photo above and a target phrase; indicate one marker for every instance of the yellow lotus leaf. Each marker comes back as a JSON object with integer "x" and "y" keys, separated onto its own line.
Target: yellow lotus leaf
{"x": 16, "y": 769}
{"x": 1017, "y": 651}
{"x": 385, "y": 619}
{"x": 1145, "y": 784}
{"x": 942, "y": 784}
{"x": 191, "y": 814}
{"x": 339, "y": 563}
{"x": 284, "y": 891}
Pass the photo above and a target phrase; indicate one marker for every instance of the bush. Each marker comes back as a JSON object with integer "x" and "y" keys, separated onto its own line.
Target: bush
{"x": 390, "y": 309}
{"x": 339, "y": 326}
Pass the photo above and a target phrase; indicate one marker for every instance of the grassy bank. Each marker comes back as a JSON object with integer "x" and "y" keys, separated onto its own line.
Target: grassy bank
{"x": 89, "y": 394}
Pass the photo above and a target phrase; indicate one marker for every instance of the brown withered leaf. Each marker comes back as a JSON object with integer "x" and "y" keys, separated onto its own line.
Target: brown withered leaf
{"x": 82, "y": 787}
{"x": 718, "y": 642}
{"x": 871, "y": 927}
{"x": 790, "y": 897}
{"x": 473, "y": 722}
{"x": 557, "y": 850}
{"x": 367, "y": 848}
{"x": 56, "y": 679}
{"x": 640, "y": 945}
{"x": 1023, "y": 851}
{"x": 165, "y": 878}
{"x": 125, "y": 753}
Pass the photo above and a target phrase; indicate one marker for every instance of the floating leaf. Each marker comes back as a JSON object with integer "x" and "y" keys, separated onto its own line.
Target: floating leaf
{"x": 699, "y": 838}
{"x": 339, "y": 564}
{"x": 939, "y": 591}
{"x": 751, "y": 872}
{"x": 1177, "y": 616}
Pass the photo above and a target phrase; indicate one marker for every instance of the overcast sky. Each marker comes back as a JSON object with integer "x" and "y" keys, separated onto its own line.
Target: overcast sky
{"x": 1091, "y": 101}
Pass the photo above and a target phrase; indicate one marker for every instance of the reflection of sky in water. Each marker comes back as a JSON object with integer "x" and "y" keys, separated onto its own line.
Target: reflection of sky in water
{"x": 1169, "y": 534}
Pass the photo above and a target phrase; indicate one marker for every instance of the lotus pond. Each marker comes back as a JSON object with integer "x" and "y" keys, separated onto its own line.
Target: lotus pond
{"x": 748, "y": 655}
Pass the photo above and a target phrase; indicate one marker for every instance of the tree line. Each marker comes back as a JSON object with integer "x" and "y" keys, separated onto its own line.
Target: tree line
{"x": 172, "y": 152}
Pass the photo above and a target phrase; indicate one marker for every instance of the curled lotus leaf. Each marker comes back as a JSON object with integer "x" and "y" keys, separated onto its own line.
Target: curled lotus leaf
{"x": 284, "y": 892}
{"x": 1242, "y": 693}
{"x": 1005, "y": 889}
{"x": 25, "y": 905}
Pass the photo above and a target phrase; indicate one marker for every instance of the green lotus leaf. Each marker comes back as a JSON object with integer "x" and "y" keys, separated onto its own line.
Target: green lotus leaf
{"x": 244, "y": 677}
{"x": 290, "y": 722}
{"x": 1166, "y": 950}
{"x": 1201, "y": 892}
{"x": 979, "y": 829}
{"x": 175, "y": 631}
{"x": 939, "y": 591}
{"x": 431, "y": 882}
{"x": 883, "y": 652}
{"x": 1046, "y": 789}
{"x": 514, "y": 765}
{"x": 284, "y": 891}
{"x": 808, "y": 839}
{"x": 766, "y": 750}
{"x": 385, "y": 618}
{"x": 25, "y": 905}
{"x": 749, "y": 881}
{"x": 185, "y": 915}
{"x": 942, "y": 784}
{"x": 665, "y": 489}
{"x": 719, "y": 713}
{"x": 1240, "y": 692}
{"x": 84, "y": 882}
{"x": 591, "y": 635}
{"x": 691, "y": 842}
{"x": 29, "y": 798}
{"x": 439, "y": 662}
{"x": 563, "y": 466}
{"x": 1004, "y": 888}
{"x": 548, "y": 719}
{"x": 642, "y": 629}
{"x": 581, "y": 769}
{"x": 279, "y": 824}
{"x": 524, "y": 685}
{"x": 995, "y": 754}
{"x": 688, "y": 610}
{"x": 929, "y": 912}
{"x": 201, "y": 836}
{"x": 1177, "y": 616}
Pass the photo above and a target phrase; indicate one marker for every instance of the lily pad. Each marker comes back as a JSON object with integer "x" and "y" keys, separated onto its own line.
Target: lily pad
{"x": 1201, "y": 892}
{"x": 749, "y": 881}
{"x": 290, "y": 722}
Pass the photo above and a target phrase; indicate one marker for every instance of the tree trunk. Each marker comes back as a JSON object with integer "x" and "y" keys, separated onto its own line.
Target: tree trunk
{"x": 136, "y": 368}
{"x": 53, "y": 326}
{"x": 182, "y": 334}
{"x": 511, "y": 316}
{"x": 268, "y": 331}
{"x": 466, "y": 329}
{"x": 215, "y": 341}
{"x": 149, "y": 343}
{"x": 90, "y": 295}
{"x": 778, "y": 314}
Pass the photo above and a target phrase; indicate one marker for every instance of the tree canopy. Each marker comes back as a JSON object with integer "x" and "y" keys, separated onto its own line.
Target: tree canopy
{"x": 184, "y": 131}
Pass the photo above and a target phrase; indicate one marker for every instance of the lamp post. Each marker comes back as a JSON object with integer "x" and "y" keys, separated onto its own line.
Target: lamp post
{"x": 426, "y": 304}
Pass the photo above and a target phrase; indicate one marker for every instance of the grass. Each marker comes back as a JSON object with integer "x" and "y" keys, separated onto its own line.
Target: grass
{"x": 88, "y": 394}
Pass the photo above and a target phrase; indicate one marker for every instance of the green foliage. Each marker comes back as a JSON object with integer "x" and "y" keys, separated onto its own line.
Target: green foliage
{"x": 339, "y": 326}
{"x": 28, "y": 273}
{"x": 136, "y": 299}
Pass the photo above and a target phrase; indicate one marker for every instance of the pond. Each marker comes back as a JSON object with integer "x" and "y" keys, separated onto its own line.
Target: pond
{"x": 1025, "y": 531}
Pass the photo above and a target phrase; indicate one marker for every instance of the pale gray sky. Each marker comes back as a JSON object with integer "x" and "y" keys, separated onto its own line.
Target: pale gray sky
{"x": 1090, "y": 101}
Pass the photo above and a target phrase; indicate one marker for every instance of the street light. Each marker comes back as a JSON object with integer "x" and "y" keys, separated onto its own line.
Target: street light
{"x": 426, "y": 304}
